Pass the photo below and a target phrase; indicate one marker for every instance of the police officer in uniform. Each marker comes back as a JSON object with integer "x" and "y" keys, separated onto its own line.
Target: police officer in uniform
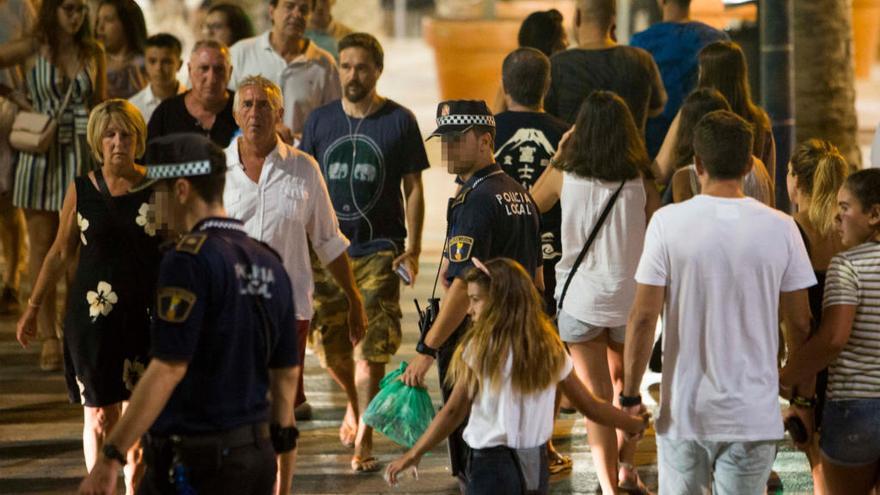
{"x": 491, "y": 216}
{"x": 223, "y": 339}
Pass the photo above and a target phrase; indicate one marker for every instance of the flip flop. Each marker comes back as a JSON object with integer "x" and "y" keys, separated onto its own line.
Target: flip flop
{"x": 364, "y": 464}
{"x": 560, "y": 464}
{"x": 632, "y": 486}
{"x": 347, "y": 435}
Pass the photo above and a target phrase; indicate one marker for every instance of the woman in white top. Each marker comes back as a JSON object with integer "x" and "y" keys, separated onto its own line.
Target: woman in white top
{"x": 505, "y": 374}
{"x": 603, "y": 153}
{"x": 848, "y": 342}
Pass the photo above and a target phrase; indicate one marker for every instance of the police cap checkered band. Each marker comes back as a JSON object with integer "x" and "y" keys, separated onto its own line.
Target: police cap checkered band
{"x": 468, "y": 120}
{"x": 173, "y": 170}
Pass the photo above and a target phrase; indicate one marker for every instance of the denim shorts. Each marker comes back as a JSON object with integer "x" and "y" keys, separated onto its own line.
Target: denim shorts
{"x": 851, "y": 431}
{"x": 576, "y": 331}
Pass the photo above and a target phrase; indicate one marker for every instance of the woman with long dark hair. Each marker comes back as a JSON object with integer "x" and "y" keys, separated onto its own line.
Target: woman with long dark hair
{"x": 602, "y": 160}
{"x": 59, "y": 53}
{"x": 227, "y": 23}
{"x": 120, "y": 27}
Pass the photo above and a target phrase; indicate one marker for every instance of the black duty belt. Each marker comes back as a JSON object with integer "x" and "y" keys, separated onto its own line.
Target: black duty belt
{"x": 230, "y": 439}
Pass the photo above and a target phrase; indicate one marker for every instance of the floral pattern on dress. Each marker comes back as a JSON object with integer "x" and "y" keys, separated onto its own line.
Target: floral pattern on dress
{"x": 82, "y": 390}
{"x": 147, "y": 218}
{"x": 101, "y": 301}
{"x": 132, "y": 371}
{"x": 83, "y": 224}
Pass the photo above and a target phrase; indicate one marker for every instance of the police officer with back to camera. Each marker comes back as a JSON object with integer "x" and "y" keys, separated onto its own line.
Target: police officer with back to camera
{"x": 222, "y": 340}
{"x": 491, "y": 216}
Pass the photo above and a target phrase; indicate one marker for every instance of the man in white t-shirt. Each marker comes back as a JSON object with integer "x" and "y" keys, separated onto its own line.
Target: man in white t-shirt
{"x": 723, "y": 265}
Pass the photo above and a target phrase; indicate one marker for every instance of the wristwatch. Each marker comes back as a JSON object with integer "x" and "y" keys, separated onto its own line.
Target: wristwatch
{"x": 283, "y": 438}
{"x": 423, "y": 348}
{"x": 802, "y": 402}
{"x": 627, "y": 401}
{"x": 111, "y": 452}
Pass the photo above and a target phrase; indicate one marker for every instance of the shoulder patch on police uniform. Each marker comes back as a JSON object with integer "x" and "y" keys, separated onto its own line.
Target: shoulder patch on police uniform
{"x": 191, "y": 243}
{"x": 460, "y": 248}
{"x": 462, "y": 195}
{"x": 174, "y": 304}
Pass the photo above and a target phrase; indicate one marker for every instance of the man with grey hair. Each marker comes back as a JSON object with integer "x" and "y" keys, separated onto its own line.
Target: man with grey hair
{"x": 206, "y": 108}
{"x": 280, "y": 195}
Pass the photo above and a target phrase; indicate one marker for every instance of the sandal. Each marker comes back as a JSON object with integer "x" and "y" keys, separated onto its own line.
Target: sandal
{"x": 560, "y": 464}
{"x": 632, "y": 484}
{"x": 364, "y": 464}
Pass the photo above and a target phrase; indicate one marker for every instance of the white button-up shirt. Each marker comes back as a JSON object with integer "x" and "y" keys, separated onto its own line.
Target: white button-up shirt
{"x": 307, "y": 82}
{"x": 288, "y": 206}
{"x": 146, "y": 101}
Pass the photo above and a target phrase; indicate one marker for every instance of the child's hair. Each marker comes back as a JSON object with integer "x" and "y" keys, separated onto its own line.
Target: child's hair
{"x": 820, "y": 170}
{"x": 512, "y": 321}
{"x": 700, "y": 102}
{"x": 865, "y": 186}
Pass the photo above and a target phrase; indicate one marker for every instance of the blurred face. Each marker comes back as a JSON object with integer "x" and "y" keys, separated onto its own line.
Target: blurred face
{"x": 321, "y": 15}
{"x": 71, "y": 15}
{"x": 460, "y": 151}
{"x": 109, "y": 30}
{"x": 856, "y": 224}
{"x": 357, "y": 73}
{"x": 477, "y": 299}
{"x": 168, "y": 210}
{"x": 117, "y": 145}
{"x": 216, "y": 27}
{"x": 209, "y": 72}
{"x": 290, "y": 18}
{"x": 162, "y": 65}
{"x": 255, "y": 115}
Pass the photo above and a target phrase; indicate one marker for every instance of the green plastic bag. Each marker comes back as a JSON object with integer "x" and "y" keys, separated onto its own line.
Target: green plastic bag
{"x": 400, "y": 412}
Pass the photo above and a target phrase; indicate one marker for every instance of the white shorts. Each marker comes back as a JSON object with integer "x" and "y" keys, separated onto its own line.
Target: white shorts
{"x": 575, "y": 331}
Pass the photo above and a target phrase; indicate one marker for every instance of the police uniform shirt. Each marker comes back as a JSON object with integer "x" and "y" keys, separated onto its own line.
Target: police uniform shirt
{"x": 208, "y": 315}
{"x": 492, "y": 216}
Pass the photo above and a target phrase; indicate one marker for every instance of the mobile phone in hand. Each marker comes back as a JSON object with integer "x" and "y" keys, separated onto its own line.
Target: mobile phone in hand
{"x": 403, "y": 272}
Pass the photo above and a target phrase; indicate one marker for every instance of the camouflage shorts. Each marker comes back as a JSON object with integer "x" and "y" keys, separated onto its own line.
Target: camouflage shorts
{"x": 380, "y": 288}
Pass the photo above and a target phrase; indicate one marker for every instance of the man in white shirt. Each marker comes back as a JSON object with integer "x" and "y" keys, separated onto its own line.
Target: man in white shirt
{"x": 279, "y": 194}
{"x": 162, "y": 60}
{"x": 306, "y": 74}
{"x": 723, "y": 265}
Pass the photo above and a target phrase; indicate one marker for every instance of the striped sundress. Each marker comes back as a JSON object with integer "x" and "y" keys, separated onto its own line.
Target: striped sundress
{"x": 41, "y": 180}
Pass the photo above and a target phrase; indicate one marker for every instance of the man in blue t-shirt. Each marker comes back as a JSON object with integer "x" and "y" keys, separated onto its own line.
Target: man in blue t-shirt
{"x": 526, "y": 138}
{"x": 675, "y": 44}
{"x": 366, "y": 145}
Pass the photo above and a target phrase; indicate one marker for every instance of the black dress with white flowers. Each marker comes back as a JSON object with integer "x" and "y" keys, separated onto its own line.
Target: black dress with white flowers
{"x": 107, "y": 325}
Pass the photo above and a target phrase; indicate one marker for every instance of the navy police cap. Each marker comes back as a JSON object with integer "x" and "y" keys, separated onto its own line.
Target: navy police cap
{"x": 458, "y": 116}
{"x": 182, "y": 155}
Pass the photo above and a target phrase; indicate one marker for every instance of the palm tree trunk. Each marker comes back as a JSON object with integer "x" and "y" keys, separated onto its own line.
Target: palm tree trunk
{"x": 824, "y": 74}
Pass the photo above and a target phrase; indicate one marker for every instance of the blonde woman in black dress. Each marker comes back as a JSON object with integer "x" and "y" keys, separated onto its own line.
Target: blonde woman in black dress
{"x": 106, "y": 327}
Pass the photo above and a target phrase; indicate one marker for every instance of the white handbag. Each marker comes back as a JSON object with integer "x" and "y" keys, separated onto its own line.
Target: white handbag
{"x": 33, "y": 132}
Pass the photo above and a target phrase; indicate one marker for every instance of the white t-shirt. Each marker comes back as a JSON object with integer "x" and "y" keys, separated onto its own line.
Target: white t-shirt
{"x": 509, "y": 418}
{"x": 288, "y": 207}
{"x": 723, "y": 262}
{"x": 146, "y": 101}
{"x": 603, "y": 288}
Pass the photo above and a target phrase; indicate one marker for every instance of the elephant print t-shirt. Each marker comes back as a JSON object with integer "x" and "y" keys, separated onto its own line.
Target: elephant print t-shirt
{"x": 363, "y": 162}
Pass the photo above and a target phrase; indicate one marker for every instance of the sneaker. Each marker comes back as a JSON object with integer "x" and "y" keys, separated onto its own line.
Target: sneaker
{"x": 9, "y": 304}
{"x": 50, "y": 356}
{"x": 303, "y": 412}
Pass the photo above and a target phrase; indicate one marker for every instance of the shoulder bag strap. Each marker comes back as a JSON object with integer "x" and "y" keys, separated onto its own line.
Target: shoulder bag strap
{"x": 590, "y": 239}
{"x": 70, "y": 86}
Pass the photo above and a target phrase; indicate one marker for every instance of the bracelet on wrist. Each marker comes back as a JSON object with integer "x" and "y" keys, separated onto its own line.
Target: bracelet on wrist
{"x": 32, "y": 304}
{"x": 630, "y": 401}
{"x": 111, "y": 452}
{"x": 423, "y": 348}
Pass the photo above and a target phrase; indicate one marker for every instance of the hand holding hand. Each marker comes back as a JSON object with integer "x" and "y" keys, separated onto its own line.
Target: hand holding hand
{"x": 807, "y": 417}
{"x": 414, "y": 376}
{"x": 641, "y": 418}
